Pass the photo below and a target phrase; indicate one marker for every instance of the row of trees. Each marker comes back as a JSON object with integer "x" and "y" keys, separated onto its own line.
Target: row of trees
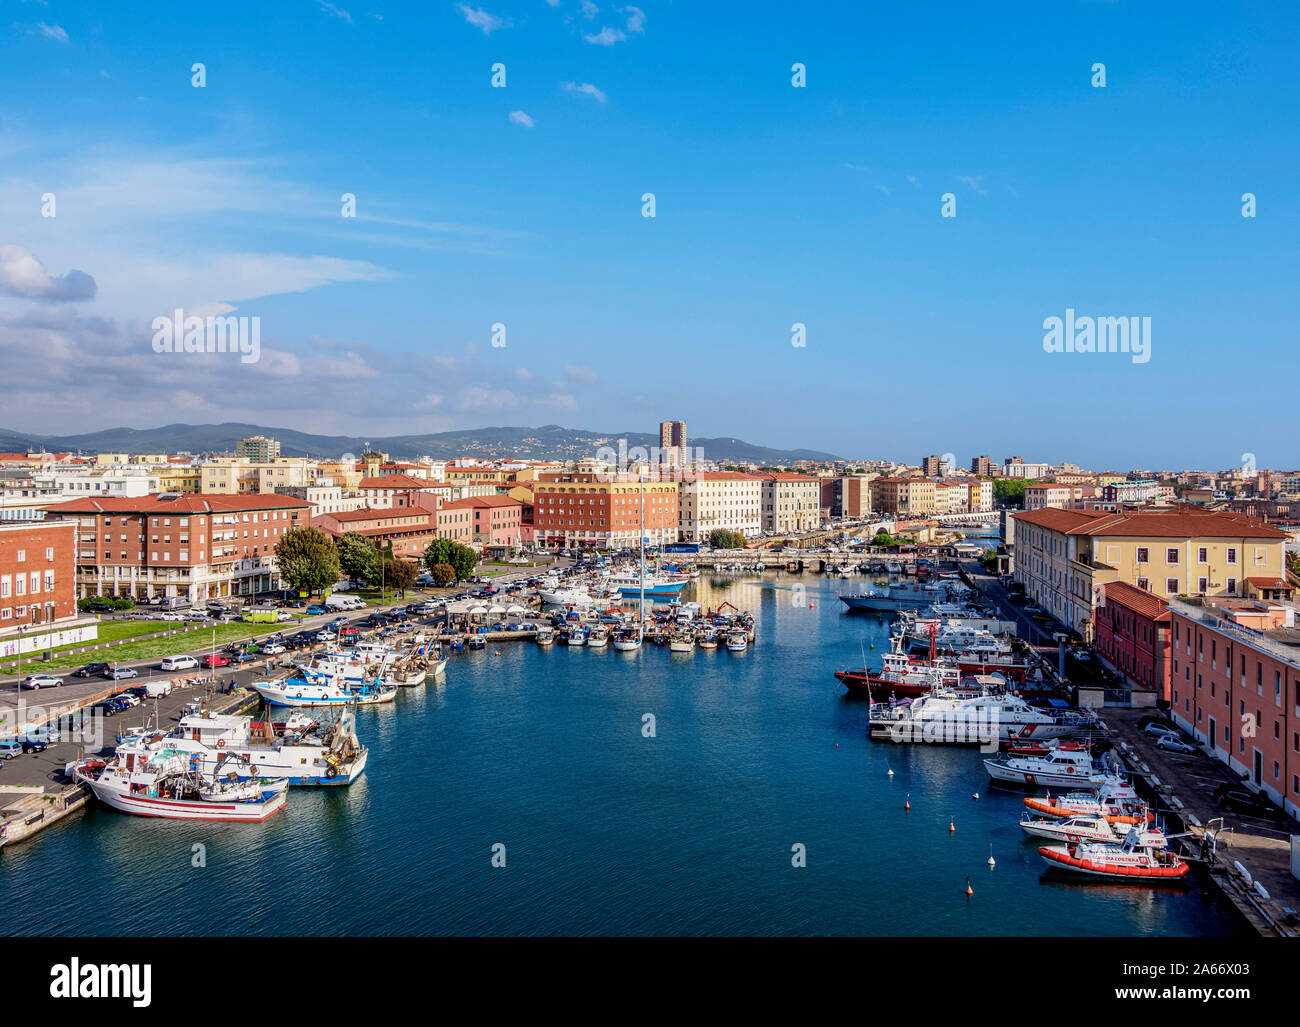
{"x": 310, "y": 561}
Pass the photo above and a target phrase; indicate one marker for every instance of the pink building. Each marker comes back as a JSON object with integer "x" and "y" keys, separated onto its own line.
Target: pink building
{"x": 494, "y": 520}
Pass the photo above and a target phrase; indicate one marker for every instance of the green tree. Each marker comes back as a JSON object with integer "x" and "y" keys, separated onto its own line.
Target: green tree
{"x": 1009, "y": 491}
{"x": 399, "y": 573}
{"x": 308, "y": 559}
{"x": 443, "y": 573}
{"x": 358, "y": 556}
{"x": 462, "y": 559}
{"x": 721, "y": 538}
{"x": 883, "y": 538}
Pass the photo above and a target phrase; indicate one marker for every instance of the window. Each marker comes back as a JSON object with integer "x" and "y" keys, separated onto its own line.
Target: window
{"x": 1171, "y": 555}
{"x": 1143, "y": 555}
{"x": 1202, "y": 555}
{"x": 1171, "y": 586}
{"x": 1201, "y": 585}
{"x": 1232, "y": 554}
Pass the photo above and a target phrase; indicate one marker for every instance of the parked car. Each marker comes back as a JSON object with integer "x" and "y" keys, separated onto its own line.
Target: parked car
{"x": 90, "y": 670}
{"x": 33, "y": 745}
{"x": 274, "y": 649}
{"x": 10, "y": 748}
{"x": 127, "y": 698}
{"x": 1242, "y": 800}
{"x": 119, "y": 703}
{"x": 37, "y": 681}
{"x": 1156, "y": 729}
{"x": 121, "y": 673}
{"x": 178, "y": 663}
{"x": 312, "y": 611}
{"x": 171, "y": 615}
{"x": 105, "y": 708}
{"x": 1172, "y": 743}
{"x": 215, "y": 660}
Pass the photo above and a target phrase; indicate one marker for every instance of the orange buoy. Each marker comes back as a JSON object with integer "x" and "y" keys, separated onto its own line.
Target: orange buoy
{"x": 952, "y": 826}
{"x": 908, "y": 803}
{"x": 969, "y": 890}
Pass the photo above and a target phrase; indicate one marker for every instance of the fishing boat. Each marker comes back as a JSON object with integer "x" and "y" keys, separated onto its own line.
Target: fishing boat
{"x": 597, "y": 637}
{"x": 1117, "y": 802}
{"x": 162, "y": 781}
{"x": 737, "y": 642}
{"x": 577, "y": 636}
{"x": 1089, "y": 827}
{"x": 633, "y": 583}
{"x": 681, "y": 642}
{"x": 707, "y": 640}
{"x": 545, "y": 637}
{"x": 628, "y": 640}
{"x": 901, "y": 675}
{"x": 258, "y": 749}
{"x": 319, "y": 690}
{"x": 1131, "y": 860}
{"x": 476, "y": 642}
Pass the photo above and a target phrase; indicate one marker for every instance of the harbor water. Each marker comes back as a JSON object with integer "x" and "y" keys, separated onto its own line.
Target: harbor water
{"x": 754, "y": 757}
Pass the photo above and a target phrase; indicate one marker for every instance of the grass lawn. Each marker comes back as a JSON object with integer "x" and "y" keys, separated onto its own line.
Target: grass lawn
{"x": 196, "y": 641}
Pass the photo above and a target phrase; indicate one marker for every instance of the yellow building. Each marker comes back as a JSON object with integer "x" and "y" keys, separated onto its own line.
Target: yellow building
{"x": 1065, "y": 558}
{"x": 179, "y": 479}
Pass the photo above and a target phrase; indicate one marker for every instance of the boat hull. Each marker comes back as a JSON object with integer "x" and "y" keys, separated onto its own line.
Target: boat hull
{"x": 1059, "y": 857}
{"x": 187, "y": 809}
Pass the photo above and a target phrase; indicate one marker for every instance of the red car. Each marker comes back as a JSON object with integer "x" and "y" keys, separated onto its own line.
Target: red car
{"x": 215, "y": 660}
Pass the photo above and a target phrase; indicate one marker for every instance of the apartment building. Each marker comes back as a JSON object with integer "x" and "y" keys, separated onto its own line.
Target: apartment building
{"x": 325, "y": 498}
{"x": 409, "y": 531}
{"x": 791, "y": 502}
{"x": 180, "y": 546}
{"x": 713, "y": 500}
{"x": 1235, "y": 686}
{"x": 983, "y": 466}
{"x": 1065, "y": 557}
{"x": 1016, "y": 467}
{"x": 258, "y": 448}
{"x": 494, "y": 520}
{"x": 238, "y": 476}
{"x": 390, "y": 490}
{"x": 1038, "y": 497}
{"x": 847, "y": 495}
{"x": 581, "y": 509}
{"x": 38, "y": 590}
{"x": 1132, "y": 629}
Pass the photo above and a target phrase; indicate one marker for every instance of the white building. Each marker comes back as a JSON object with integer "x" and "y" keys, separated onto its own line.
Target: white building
{"x": 719, "y": 500}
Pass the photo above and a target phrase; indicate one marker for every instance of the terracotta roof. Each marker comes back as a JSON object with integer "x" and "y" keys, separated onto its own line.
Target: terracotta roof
{"x": 1139, "y": 600}
{"x": 787, "y": 476}
{"x": 472, "y": 501}
{"x": 394, "y": 481}
{"x": 1172, "y": 522}
{"x": 186, "y": 503}
{"x": 369, "y": 513}
{"x": 1270, "y": 582}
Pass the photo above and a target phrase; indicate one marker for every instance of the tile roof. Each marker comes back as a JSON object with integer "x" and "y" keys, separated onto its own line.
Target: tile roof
{"x": 1171, "y": 522}
{"x": 1139, "y": 600}
{"x": 186, "y": 503}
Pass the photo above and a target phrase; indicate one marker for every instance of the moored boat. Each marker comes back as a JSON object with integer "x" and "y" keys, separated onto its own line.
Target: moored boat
{"x": 1129, "y": 861}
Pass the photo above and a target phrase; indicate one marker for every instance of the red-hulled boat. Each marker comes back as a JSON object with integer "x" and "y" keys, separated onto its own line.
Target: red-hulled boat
{"x": 1133, "y": 860}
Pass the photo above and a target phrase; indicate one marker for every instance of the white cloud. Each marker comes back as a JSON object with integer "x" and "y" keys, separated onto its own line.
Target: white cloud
{"x": 338, "y": 12}
{"x": 589, "y": 10}
{"x": 581, "y": 374}
{"x": 54, "y": 32}
{"x": 635, "y": 19}
{"x": 606, "y": 37}
{"x": 22, "y": 275}
{"x": 480, "y": 18}
{"x": 584, "y": 87}
{"x": 520, "y": 118}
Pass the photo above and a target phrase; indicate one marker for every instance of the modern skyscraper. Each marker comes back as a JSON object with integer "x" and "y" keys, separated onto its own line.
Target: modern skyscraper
{"x": 672, "y": 441}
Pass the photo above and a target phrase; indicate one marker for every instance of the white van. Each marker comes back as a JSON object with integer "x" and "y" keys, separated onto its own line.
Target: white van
{"x": 157, "y": 689}
{"x": 343, "y": 602}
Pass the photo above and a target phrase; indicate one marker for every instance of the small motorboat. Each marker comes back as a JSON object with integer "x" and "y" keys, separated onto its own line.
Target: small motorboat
{"x": 597, "y": 637}
{"x": 737, "y": 642}
{"x": 1119, "y": 803}
{"x": 628, "y": 640}
{"x": 1089, "y": 827}
{"x": 545, "y": 637}
{"x": 681, "y": 643}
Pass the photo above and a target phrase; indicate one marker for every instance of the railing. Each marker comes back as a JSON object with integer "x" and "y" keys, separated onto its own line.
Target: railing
{"x": 1251, "y": 636}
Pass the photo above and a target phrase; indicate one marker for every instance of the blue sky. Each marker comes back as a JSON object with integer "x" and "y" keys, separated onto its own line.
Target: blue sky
{"x": 775, "y": 205}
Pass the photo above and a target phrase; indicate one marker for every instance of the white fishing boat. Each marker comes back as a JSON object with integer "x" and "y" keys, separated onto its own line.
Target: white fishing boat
{"x": 597, "y": 637}
{"x": 681, "y": 642}
{"x": 320, "y": 690}
{"x": 631, "y": 582}
{"x": 299, "y": 755}
{"x": 161, "y": 781}
{"x": 1089, "y": 827}
{"x": 628, "y": 640}
{"x": 577, "y": 637}
{"x": 708, "y": 640}
{"x": 545, "y": 637}
{"x": 1118, "y": 802}
{"x": 737, "y": 642}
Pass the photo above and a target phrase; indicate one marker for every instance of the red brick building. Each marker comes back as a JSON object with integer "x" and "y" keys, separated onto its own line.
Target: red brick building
{"x": 38, "y": 582}
{"x": 1131, "y": 632}
{"x": 582, "y": 509}
{"x": 1235, "y": 686}
{"x": 183, "y": 546}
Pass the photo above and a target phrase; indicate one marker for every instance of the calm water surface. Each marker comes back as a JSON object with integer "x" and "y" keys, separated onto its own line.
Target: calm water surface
{"x": 606, "y": 831}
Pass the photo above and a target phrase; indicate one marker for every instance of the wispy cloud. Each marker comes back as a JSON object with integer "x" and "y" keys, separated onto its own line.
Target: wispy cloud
{"x": 635, "y": 19}
{"x": 520, "y": 118}
{"x": 22, "y": 275}
{"x": 480, "y": 18}
{"x": 606, "y": 37}
{"x": 589, "y": 10}
{"x": 976, "y": 183}
{"x": 886, "y": 190}
{"x": 584, "y": 87}
{"x": 54, "y": 32}
{"x": 337, "y": 12}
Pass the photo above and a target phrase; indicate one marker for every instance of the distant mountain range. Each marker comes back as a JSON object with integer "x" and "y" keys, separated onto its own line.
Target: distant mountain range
{"x": 549, "y": 442}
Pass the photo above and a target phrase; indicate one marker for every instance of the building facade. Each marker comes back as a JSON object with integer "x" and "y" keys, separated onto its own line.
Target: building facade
{"x": 791, "y": 502}
{"x": 714, "y": 500}
{"x": 583, "y": 509}
{"x": 37, "y": 576}
{"x": 1131, "y": 628}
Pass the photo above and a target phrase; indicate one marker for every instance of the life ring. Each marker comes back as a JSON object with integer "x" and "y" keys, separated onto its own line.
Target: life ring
{"x": 1069, "y": 770}
{"x": 221, "y": 743}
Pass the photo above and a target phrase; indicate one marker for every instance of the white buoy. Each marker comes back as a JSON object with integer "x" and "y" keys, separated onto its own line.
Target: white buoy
{"x": 976, "y": 796}
{"x": 891, "y": 772}
{"x": 992, "y": 862}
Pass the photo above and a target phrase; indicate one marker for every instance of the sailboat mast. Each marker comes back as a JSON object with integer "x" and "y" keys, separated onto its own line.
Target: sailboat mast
{"x": 640, "y": 615}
